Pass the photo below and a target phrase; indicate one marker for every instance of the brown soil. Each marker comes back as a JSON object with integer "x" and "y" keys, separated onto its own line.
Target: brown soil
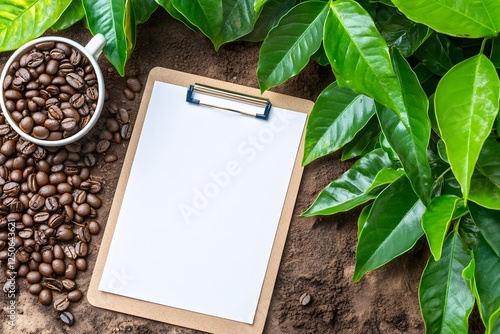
{"x": 319, "y": 254}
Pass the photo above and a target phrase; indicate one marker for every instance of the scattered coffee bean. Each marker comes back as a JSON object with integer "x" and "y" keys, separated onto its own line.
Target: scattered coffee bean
{"x": 75, "y": 295}
{"x": 35, "y": 289}
{"x": 61, "y": 304}
{"x": 305, "y": 299}
{"x": 67, "y": 318}
{"x": 45, "y": 297}
{"x": 129, "y": 94}
{"x": 134, "y": 84}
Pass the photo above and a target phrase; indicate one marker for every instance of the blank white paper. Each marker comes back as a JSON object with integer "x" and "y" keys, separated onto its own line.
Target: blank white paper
{"x": 202, "y": 205}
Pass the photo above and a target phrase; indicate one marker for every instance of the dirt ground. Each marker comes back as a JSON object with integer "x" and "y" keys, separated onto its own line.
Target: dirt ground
{"x": 319, "y": 253}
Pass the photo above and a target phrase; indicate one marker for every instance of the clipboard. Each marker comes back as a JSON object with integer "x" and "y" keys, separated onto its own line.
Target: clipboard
{"x": 122, "y": 299}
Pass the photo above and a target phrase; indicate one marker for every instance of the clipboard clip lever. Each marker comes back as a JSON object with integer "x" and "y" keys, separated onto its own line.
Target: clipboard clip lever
{"x": 226, "y": 94}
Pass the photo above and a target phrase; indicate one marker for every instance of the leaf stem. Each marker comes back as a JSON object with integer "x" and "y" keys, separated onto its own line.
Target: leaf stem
{"x": 483, "y": 44}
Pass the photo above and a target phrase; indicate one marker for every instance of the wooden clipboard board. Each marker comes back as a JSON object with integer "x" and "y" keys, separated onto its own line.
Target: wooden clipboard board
{"x": 177, "y": 316}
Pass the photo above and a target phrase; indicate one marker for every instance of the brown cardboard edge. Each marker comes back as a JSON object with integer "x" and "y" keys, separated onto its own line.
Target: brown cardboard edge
{"x": 177, "y": 316}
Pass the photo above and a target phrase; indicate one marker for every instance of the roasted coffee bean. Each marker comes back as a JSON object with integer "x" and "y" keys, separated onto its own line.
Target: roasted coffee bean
{"x": 134, "y": 84}
{"x": 33, "y": 277}
{"x": 45, "y": 297}
{"x": 40, "y": 132}
{"x": 52, "y": 284}
{"x": 83, "y": 210}
{"x": 22, "y": 256}
{"x": 122, "y": 116}
{"x": 75, "y": 80}
{"x": 65, "y": 233}
{"x": 75, "y": 295}
{"x": 90, "y": 160}
{"x": 79, "y": 196}
{"x": 47, "y": 190}
{"x": 12, "y": 94}
{"x": 11, "y": 188}
{"x": 23, "y": 270}
{"x": 23, "y": 74}
{"x": 129, "y": 94}
{"x": 34, "y": 59}
{"x": 59, "y": 267}
{"x": 81, "y": 264}
{"x": 26, "y": 233}
{"x": 66, "y": 68}
{"x": 55, "y": 112}
{"x": 68, "y": 284}
{"x": 48, "y": 256}
{"x": 57, "y": 54}
{"x": 92, "y": 93}
{"x": 70, "y": 272}
{"x": 81, "y": 249}
{"x": 83, "y": 234}
{"x": 103, "y": 145}
{"x": 126, "y": 131}
{"x": 77, "y": 100}
{"x": 67, "y": 318}
{"x": 45, "y": 269}
{"x": 61, "y": 304}
{"x": 35, "y": 289}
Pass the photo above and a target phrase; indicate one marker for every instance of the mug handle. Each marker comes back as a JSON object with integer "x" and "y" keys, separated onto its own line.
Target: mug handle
{"x": 95, "y": 45}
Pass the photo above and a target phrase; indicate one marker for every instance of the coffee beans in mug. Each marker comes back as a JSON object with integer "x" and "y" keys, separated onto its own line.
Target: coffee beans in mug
{"x": 35, "y": 98}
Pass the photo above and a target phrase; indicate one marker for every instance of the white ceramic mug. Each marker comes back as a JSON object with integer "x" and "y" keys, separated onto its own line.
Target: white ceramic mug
{"x": 92, "y": 51}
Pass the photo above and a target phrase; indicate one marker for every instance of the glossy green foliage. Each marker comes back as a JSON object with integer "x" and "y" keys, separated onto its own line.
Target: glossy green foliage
{"x": 288, "y": 47}
{"x": 338, "y": 115}
{"x": 487, "y": 283}
{"x": 445, "y": 298}
{"x": 471, "y": 19}
{"x": 466, "y": 104}
{"x": 269, "y": 17}
{"x": 220, "y": 20}
{"x": 73, "y": 13}
{"x": 114, "y": 19}
{"x": 387, "y": 234}
{"x": 436, "y": 221}
{"x": 351, "y": 189}
{"x": 23, "y": 20}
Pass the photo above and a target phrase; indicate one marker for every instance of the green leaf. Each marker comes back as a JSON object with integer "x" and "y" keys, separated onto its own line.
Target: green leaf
{"x": 205, "y": 15}
{"x": 386, "y": 176}
{"x": 269, "y": 17}
{"x": 259, "y": 3}
{"x": 466, "y": 104}
{"x": 488, "y": 222}
{"x": 470, "y": 19}
{"x": 289, "y": 46}
{"x": 109, "y": 17}
{"x": 484, "y": 192}
{"x": 169, "y": 7}
{"x": 399, "y": 32}
{"x": 22, "y": 21}
{"x": 468, "y": 231}
{"x": 442, "y": 151}
{"x": 487, "y": 279}
{"x": 360, "y": 59}
{"x": 73, "y": 13}
{"x": 445, "y": 299}
{"x": 222, "y": 21}
{"x": 439, "y": 54}
{"x": 436, "y": 221}
{"x": 386, "y": 146}
{"x": 337, "y": 116}
{"x": 365, "y": 141}
{"x": 362, "y": 218}
{"x": 488, "y": 162}
{"x": 350, "y": 190}
{"x": 391, "y": 229}
{"x": 143, "y": 9}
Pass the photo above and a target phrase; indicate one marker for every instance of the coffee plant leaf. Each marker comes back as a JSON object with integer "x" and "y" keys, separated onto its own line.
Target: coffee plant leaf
{"x": 362, "y": 217}
{"x": 487, "y": 282}
{"x": 108, "y": 17}
{"x": 466, "y": 105}
{"x": 361, "y": 60}
{"x": 350, "y": 190}
{"x": 445, "y": 298}
{"x": 439, "y": 54}
{"x": 22, "y": 21}
{"x": 470, "y": 19}
{"x": 143, "y": 9}
{"x": 488, "y": 222}
{"x": 385, "y": 177}
{"x": 259, "y": 3}
{"x": 388, "y": 233}
{"x": 436, "y": 221}
{"x": 221, "y": 21}
{"x": 366, "y": 140}
{"x": 289, "y": 46}
{"x": 337, "y": 116}
{"x": 400, "y": 32}
{"x": 73, "y": 13}
{"x": 169, "y": 7}
{"x": 495, "y": 52}
{"x": 269, "y": 17}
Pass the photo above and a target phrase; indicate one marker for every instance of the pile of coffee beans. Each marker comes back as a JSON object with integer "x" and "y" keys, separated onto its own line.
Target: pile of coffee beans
{"x": 49, "y": 198}
{"x": 52, "y": 91}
